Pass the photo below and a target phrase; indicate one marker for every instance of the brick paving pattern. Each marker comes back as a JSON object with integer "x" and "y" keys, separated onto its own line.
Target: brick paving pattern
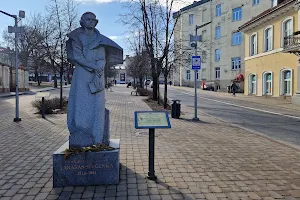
{"x": 205, "y": 160}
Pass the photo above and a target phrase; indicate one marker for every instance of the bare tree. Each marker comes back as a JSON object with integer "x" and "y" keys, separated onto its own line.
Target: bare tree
{"x": 62, "y": 18}
{"x": 29, "y": 43}
{"x": 138, "y": 65}
{"x": 158, "y": 29}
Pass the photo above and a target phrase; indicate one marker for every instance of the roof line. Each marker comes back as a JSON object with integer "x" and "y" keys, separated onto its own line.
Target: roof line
{"x": 267, "y": 12}
{"x": 190, "y": 6}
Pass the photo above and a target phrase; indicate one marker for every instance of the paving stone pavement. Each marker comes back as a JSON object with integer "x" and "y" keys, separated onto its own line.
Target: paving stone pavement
{"x": 204, "y": 160}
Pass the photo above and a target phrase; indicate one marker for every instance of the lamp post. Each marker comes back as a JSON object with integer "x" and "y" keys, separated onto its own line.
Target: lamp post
{"x": 16, "y": 30}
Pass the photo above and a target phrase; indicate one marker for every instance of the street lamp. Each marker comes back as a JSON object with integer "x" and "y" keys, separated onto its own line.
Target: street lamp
{"x": 16, "y": 30}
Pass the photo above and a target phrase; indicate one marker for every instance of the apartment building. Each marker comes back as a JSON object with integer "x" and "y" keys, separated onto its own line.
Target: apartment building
{"x": 268, "y": 70}
{"x": 187, "y": 18}
{"x": 222, "y": 46}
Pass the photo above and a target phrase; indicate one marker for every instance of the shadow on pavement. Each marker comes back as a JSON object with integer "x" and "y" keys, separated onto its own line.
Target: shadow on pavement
{"x": 49, "y": 121}
{"x": 144, "y": 185}
{"x": 198, "y": 122}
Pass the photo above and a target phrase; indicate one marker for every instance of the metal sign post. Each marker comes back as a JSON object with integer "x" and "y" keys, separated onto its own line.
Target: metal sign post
{"x": 196, "y": 65}
{"x": 16, "y": 30}
{"x": 151, "y": 120}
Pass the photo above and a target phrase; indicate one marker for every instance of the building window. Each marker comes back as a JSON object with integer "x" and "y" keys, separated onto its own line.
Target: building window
{"x": 268, "y": 39}
{"x": 217, "y": 74}
{"x": 255, "y": 2}
{"x": 204, "y": 37}
{"x": 218, "y": 54}
{"x": 236, "y": 63}
{"x": 218, "y": 32}
{"x": 252, "y": 84}
{"x": 237, "y": 14}
{"x": 188, "y": 74}
{"x": 286, "y": 82}
{"x": 236, "y": 38}
{"x": 267, "y": 83}
{"x": 253, "y": 44}
{"x": 288, "y": 28}
{"x": 274, "y": 3}
{"x": 218, "y": 10}
{"x": 191, "y": 19}
{"x": 204, "y": 14}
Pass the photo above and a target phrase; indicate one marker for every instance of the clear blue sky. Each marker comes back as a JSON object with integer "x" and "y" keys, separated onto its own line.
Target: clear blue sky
{"x": 107, "y": 11}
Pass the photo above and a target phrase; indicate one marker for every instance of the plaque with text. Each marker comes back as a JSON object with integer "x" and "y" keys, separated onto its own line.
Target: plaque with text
{"x": 151, "y": 119}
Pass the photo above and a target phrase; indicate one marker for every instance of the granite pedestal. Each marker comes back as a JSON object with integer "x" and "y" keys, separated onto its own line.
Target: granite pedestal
{"x": 86, "y": 168}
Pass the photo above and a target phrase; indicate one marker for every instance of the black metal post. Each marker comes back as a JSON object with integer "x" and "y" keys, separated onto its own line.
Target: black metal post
{"x": 61, "y": 74}
{"x": 151, "y": 173}
{"x": 43, "y": 107}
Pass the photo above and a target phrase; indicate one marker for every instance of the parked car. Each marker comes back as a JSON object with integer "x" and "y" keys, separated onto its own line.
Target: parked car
{"x": 209, "y": 86}
{"x": 147, "y": 82}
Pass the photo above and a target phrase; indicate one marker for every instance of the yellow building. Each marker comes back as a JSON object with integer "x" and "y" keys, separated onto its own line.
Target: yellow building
{"x": 268, "y": 70}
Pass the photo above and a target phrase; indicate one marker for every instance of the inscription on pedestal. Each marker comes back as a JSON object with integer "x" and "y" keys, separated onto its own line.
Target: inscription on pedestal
{"x": 88, "y": 168}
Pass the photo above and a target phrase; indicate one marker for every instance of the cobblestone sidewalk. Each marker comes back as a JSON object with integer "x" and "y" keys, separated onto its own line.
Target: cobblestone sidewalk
{"x": 205, "y": 160}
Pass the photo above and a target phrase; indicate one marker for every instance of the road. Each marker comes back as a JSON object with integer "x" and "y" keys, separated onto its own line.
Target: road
{"x": 277, "y": 125}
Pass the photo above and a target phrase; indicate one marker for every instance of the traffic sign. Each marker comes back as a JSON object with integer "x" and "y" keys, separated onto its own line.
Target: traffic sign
{"x": 196, "y": 62}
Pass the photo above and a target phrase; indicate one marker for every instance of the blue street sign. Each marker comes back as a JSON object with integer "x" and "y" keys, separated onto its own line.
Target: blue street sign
{"x": 196, "y": 62}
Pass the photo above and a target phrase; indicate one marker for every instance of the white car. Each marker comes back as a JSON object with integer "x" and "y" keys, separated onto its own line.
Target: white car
{"x": 147, "y": 82}
{"x": 151, "y": 84}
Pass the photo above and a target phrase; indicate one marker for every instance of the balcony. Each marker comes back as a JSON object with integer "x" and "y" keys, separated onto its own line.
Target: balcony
{"x": 292, "y": 43}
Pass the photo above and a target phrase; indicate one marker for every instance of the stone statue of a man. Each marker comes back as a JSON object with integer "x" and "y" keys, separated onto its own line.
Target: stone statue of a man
{"x": 89, "y": 51}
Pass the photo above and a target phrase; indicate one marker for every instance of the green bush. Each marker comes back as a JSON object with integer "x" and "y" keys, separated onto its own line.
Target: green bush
{"x": 50, "y": 104}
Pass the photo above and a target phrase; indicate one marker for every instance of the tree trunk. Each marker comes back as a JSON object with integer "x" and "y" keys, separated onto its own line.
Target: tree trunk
{"x": 141, "y": 82}
{"x": 11, "y": 84}
{"x": 69, "y": 79}
{"x": 165, "y": 92}
{"x": 154, "y": 77}
{"x": 38, "y": 80}
{"x": 55, "y": 77}
{"x": 158, "y": 94}
{"x": 35, "y": 76}
{"x": 154, "y": 84}
{"x": 55, "y": 81}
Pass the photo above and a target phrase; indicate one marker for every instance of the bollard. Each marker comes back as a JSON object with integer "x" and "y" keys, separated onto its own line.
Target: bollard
{"x": 43, "y": 107}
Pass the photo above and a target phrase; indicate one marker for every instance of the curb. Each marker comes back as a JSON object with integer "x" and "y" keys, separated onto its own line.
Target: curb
{"x": 29, "y": 92}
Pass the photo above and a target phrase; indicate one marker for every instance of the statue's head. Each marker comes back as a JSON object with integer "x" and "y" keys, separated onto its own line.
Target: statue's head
{"x": 88, "y": 20}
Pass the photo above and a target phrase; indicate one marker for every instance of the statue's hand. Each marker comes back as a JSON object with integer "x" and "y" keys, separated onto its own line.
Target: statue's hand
{"x": 99, "y": 72}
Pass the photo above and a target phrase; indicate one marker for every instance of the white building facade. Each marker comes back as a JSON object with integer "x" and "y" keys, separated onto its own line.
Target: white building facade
{"x": 222, "y": 48}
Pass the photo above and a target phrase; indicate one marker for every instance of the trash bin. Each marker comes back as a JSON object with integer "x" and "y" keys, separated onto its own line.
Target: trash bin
{"x": 176, "y": 106}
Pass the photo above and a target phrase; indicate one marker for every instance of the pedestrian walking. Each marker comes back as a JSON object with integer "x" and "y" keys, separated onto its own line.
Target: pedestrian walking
{"x": 233, "y": 88}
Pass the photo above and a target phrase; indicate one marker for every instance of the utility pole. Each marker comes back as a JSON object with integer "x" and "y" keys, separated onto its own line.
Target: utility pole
{"x": 16, "y": 30}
